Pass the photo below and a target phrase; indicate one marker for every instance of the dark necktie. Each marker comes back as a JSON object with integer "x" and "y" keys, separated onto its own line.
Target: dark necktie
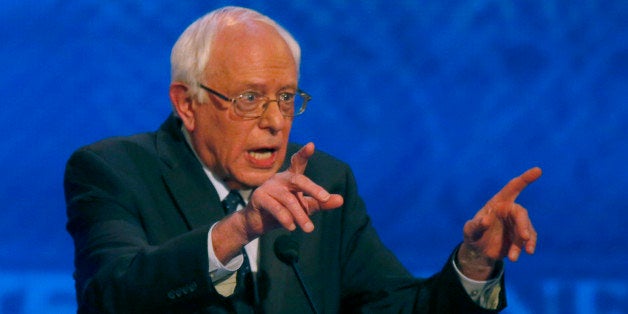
{"x": 244, "y": 285}
{"x": 231, "y": 202}
{"x": 230, "y": 205}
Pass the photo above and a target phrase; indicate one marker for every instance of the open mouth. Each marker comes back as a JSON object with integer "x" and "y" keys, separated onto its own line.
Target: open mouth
{"x": 263, "y": 157}
{"x": 262, "y": 153}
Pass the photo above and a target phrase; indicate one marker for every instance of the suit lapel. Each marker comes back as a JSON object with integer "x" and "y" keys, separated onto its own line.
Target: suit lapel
{"x": 184, "y": 177}
{"x": 199, "y": 204}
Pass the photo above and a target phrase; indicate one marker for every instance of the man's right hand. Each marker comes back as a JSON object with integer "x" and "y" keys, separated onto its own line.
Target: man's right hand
{"x": 286, "y": 200}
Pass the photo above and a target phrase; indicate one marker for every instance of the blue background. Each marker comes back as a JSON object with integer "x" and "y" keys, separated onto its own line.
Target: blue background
{"x": 435, "y": 104}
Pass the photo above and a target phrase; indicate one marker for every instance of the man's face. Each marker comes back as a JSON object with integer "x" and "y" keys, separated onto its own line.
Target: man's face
{"x": 245, "y": 153}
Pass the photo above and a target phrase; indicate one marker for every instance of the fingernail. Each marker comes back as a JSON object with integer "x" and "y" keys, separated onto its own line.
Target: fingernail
{"x": 514, "y": 257}
{"x": 308, "y": 227}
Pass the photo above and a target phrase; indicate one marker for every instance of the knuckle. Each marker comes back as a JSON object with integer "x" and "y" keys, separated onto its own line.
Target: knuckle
{"x": 290, "y": 201}
{"x": 283, "y": 218}
{"x": 295, "y": 179}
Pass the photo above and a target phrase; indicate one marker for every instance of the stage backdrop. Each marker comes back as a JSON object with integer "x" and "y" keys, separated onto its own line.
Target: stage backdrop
{"x": 435, "y": 104}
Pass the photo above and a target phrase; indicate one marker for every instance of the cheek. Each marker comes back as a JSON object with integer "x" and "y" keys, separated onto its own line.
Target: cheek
{"x": 233, "y": 142}
{"x": 220, "y": 139}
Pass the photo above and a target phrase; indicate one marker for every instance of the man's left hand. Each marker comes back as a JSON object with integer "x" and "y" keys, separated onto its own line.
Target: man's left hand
{"x": 501, "y": 228}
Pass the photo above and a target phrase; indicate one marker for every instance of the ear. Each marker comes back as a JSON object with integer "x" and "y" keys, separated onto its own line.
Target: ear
{"x": 183, "y": 104}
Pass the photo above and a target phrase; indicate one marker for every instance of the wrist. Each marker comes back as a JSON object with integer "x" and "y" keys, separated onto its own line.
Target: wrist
{"x": 229, "y": 237}
{"x": 473, "y": 264}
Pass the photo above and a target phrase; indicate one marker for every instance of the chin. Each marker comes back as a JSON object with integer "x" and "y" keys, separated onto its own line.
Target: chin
{"x": 255, "y": 178}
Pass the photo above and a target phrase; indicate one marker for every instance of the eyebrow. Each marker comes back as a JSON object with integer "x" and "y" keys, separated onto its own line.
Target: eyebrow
{"x": 262, "y": 87}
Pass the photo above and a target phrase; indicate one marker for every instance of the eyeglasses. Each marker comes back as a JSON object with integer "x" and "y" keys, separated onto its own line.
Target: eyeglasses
{"x": 252, "y": 105}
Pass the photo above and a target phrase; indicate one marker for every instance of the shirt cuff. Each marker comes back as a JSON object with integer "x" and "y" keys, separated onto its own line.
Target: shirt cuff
{"x": 218, "y": 271}
{"x": 483, "y": 293}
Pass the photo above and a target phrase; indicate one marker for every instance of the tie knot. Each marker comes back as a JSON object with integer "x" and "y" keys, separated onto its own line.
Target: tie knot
{"x": 231, "y": 202}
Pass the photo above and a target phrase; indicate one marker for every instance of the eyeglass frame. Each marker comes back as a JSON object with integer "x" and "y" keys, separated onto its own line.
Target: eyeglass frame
{"x": 306, "y": 98}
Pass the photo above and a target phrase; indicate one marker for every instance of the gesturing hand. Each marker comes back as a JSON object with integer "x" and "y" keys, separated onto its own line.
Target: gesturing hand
{"x": 501, "y": 228}
{"x": 288, "y": 198}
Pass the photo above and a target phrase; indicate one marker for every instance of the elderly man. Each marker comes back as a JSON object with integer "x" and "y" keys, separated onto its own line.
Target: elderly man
{"x": 183, "y": 220}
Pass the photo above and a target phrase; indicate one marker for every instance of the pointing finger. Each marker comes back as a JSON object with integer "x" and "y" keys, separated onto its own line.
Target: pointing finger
{"x": 512, "y": 189}
{"x": 305, "y": 185}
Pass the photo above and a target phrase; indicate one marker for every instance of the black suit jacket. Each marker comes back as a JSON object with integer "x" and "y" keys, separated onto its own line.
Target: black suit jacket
{"x": 139, "y": 210}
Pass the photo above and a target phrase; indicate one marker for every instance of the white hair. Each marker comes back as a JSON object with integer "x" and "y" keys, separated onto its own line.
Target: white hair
{"x": 191, "y": 53}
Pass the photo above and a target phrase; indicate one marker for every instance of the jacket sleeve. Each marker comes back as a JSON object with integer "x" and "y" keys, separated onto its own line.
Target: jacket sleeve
{"x": 374, "y": 281}
{"x": 117, "y": 270}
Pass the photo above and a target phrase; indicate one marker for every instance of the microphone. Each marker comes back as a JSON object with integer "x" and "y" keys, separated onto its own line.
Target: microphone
{"x": 287, "y": 250}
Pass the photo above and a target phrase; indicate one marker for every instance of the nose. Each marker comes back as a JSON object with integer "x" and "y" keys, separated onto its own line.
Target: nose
{"x": 272, "y": 118}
